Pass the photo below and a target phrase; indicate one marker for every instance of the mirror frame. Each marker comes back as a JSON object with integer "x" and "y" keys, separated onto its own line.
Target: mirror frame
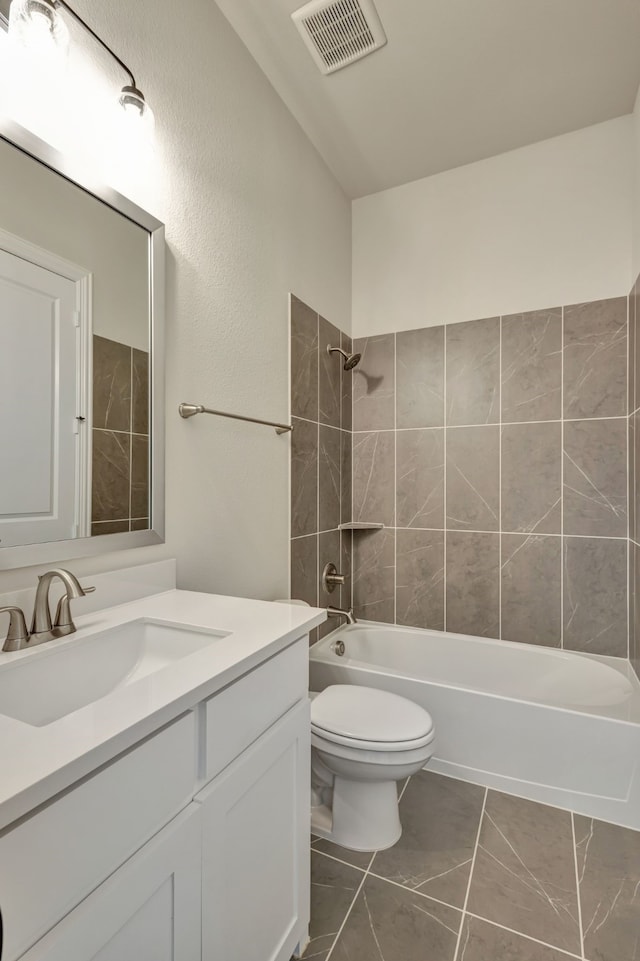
{"x": 32, "y": 554}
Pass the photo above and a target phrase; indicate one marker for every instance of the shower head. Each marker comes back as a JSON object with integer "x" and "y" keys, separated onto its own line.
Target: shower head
{"x": 350, "y": 360}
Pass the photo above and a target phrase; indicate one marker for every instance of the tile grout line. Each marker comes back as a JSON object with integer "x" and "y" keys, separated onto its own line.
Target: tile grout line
{"x": 525, "y": 534}
{"x": 471, "y": 869}
{"x": 578, "y": 898}
{"x": 350, "y": 909}
{"x": 562, "y": 541}
{"x": 506, "y": 423}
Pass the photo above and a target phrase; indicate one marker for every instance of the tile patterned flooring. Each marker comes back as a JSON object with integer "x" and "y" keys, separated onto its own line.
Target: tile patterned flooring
{"x": 479, "y": 876}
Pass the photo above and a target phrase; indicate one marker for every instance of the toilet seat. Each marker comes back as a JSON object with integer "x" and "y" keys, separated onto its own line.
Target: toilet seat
{"x": 367, "y": 719}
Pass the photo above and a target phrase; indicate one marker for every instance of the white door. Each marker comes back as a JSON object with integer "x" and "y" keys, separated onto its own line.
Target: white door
{"x": 255, "y": 848}
{"x": 149, "y": 910}
{"x": 38, "y": 404}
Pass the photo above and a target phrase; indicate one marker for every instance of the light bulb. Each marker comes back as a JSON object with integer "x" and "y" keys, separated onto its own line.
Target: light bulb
{"x": 37, "y": 26}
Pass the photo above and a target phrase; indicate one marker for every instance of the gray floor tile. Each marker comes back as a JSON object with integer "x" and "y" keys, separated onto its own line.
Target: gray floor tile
{"x": 333, "y": 888}
{"x": 609, "y": 873}
{"x": 388, "y": 923}
{"x": 524, "y": 873}
{"x": 359, "y": 859}
{"x": 481, "y": 941}
{"x": 440, "y": 819}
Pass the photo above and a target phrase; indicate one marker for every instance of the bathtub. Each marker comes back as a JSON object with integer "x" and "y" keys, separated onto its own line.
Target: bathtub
{"x": 549, "y": 725}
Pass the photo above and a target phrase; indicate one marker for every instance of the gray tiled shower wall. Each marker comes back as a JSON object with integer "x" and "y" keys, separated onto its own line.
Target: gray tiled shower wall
{"x": 320, "y": 458}
{"x": 495, "y": 454}
{"x": 634, "y": 477}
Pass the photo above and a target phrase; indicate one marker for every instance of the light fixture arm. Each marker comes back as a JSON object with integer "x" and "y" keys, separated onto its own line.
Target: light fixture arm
{"x": 95, "y": 36}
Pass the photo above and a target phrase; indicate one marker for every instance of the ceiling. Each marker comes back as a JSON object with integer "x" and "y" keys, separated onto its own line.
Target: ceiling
{"x": 458, "y": 81}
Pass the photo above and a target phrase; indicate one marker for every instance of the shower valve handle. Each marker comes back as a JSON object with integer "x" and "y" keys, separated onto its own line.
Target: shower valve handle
{"x": 331, "y": 579}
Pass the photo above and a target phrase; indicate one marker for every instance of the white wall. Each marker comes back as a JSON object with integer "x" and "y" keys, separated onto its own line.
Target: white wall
{"x": 52, "y": 213}
{"x": 251, "y": 213}
{"x": 546, "y": 225}
{"x": 636, "y": 190}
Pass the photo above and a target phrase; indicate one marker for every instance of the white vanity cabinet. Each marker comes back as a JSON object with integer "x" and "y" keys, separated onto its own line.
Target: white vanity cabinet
{"x": 192, "y": 844}
{"x": 255, "y": 850}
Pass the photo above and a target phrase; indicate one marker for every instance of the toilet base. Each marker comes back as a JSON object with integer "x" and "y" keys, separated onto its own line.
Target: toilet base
{"x": 364, "y": 816}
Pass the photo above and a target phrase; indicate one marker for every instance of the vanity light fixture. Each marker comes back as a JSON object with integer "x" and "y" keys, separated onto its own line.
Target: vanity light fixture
{"x": 38, "y": 24}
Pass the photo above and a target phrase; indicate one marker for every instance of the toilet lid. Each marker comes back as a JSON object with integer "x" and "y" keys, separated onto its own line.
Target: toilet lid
{"x": 366, "y": 714}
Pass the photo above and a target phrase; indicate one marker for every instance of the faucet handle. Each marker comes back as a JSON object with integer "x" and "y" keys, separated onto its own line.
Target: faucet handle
{"x": 17, "y": 636}
{"x": 63, "y": 610}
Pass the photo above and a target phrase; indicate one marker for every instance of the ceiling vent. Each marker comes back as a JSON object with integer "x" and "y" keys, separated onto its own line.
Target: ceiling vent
{"x": 339, "y": 32}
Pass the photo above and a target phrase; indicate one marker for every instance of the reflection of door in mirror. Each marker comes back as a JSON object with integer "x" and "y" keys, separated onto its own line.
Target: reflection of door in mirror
{"x": 44, "y": 480}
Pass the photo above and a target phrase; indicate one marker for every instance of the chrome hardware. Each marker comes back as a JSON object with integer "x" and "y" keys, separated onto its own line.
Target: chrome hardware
{"x": 339, "y": 648}
{"x": 190, "y": 410}
{"x": 17, "y": 636}
{"x": 331, "y": 579}
{"x": 349, "y": 616}
{"x": 41, "y": 628}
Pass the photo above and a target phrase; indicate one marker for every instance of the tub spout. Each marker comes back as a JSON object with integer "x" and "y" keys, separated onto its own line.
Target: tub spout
{"x": 349, "y": 616}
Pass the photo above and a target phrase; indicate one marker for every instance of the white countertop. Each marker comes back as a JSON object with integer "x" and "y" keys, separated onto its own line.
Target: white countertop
{"x": 38, "y": 762}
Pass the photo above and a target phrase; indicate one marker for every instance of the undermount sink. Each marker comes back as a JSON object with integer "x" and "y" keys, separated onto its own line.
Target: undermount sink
{"x": 47, "y": 686}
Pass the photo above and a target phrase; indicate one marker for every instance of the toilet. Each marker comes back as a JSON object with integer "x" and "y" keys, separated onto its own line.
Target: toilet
{"x": 362, "y": 742}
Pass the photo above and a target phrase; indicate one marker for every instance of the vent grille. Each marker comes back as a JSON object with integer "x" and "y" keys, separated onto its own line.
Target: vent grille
{"x": 340, "y": 32}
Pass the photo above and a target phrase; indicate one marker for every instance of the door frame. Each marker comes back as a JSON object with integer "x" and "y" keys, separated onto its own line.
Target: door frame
{"x": 83, "y": 280}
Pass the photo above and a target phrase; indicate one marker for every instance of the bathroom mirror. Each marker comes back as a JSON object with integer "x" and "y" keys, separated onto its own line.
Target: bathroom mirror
{"x": 81, "y": 362}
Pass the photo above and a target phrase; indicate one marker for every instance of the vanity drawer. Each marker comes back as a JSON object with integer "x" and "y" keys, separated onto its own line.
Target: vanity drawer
{"x": 51, "y": 860}
{"x": 239, "y": 714}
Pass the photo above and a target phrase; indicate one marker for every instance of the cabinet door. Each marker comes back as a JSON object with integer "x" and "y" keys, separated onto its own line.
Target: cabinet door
{"x": 255, "y": 828}
{"x": 149, "y": 910}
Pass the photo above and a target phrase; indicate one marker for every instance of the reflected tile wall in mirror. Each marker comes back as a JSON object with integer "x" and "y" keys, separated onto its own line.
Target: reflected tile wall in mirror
{"x": 120, "y": 435}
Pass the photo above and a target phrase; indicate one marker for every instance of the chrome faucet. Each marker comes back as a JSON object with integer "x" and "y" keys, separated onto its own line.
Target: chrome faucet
{"x": 349, "y": 616}
{"x": 18, "y": 638}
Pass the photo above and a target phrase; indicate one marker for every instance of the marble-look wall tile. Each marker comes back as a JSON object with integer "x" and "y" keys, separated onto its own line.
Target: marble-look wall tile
{"x": 420, "y": 378}
{"x": 373, "y": 477}
{"x": 347, "y": 385}
{"x": 111, "y": 384}
{"x": 531, "y": 596}
{"x": 635, "y": 307}
{"x": 139, "y": 523}
{"x": 374, "y": 384}
{"x": 329, "y": 368}
{"x": 440, "y": 820}
{"x": 632, "y": 427}
{"x": 346, "y": 548}
{"x": 595, "y": 477}
{"x": 420, "y": 579}
{"x": 329, "y": 452}
{"x": 392, "y": 924}
{"x": 333, "y": 887}
{"x": 140, "y": 403}
{"x": 304, "y": 569}
{"x": 595, "y": 595}
{"x": 304, "y": 360}
{"x": 420, "y": 478}
{"x": 111, "y": 484}
{"x": 472, "y": 587}
{"x": 111, "y": 527}
{"x": 473, "y": 372}
{"x": 524, "y": 873}
{"x": 532, "y": 366}
{"x": 482, "y": 941}
{"x": 634, "y": 607}
{"x": 304, "y": 478}
{"x": 139, "y": 476}
{"x": 634, "y": 458}
{"x": 373, "y": 575}
{"x": 473, "y": 478}
{"x": 595, "y": 359}
{"x": 532, "y": 478}
{"x": 346, "y": 506}
{"x": 632, "y": 350}
{"x": 609, "y": 875}
{"x": 329, "y": 552}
